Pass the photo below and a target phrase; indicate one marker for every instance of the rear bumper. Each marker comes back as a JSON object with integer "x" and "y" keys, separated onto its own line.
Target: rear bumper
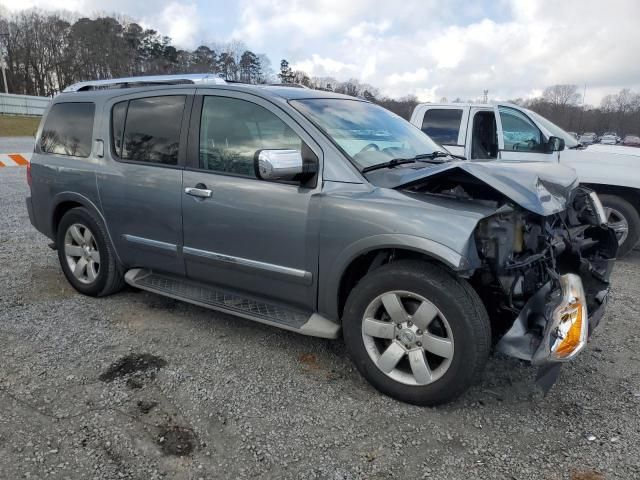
{"x": 32, "y": 218}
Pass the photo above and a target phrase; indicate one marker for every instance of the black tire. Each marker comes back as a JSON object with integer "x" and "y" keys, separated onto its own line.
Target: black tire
{"x": 109, "y": 278}
{"x": 458, "y": 302}
{"x": 630, "y": 214}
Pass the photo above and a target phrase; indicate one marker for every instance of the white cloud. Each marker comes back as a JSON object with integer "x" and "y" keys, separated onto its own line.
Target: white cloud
{"x": 416, "y": 76}
{"x": 430, "y": 48}
{"x": 179, "y": 21}
{"x": 365, "y": 29}
{"x": 324, "y": 66}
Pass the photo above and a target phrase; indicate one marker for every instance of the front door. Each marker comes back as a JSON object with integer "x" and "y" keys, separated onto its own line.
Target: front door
{"x": 519, "y": 138}
{"x": 240, "y": 232}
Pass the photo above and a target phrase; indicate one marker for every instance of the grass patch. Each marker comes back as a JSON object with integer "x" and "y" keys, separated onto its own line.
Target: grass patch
{"x": 17, "y": 126}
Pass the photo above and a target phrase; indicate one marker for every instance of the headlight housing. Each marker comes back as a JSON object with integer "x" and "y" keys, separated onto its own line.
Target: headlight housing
{"x": 598, "y": 208}
{"x": 568, "y": 330}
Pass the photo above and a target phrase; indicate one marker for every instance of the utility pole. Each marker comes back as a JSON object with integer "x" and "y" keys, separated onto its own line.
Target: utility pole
{"x": 485, "y": 96}
{"x": 4, "y": 65}
{"x": 584, "y": 95}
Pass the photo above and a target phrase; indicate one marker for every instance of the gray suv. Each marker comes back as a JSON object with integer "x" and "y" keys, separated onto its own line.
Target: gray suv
{"x": 320, "y": 213}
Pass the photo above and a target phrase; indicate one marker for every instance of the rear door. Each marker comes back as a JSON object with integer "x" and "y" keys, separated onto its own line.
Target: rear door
{"x": 246, "y": 234}
{"x": 141, "y": 182}
{"x": 519, "y": 138}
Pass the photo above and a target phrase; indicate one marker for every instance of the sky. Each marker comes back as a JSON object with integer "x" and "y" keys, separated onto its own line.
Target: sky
{"x": 432, "y": 49}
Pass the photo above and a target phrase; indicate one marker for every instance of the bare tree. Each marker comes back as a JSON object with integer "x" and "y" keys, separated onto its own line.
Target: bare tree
{"x": 561, "y": 95}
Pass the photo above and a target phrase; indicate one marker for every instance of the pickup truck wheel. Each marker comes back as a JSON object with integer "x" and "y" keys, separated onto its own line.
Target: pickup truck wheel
{"x": 416, "y": 332}
{"x": 86, "y": 255}
{"x": 624, "y": 219}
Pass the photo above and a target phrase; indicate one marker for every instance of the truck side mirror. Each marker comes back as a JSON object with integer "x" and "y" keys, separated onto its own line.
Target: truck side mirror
{"x": 555, "y": 144}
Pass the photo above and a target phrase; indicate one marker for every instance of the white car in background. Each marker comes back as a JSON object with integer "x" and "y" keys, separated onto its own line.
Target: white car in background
{"x": 609, "y": 139}
{"x": 506, "y": 132}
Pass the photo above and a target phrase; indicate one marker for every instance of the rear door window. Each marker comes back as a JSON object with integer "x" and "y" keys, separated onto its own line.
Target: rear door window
{"x": 148, "y": 129}
{"x": 442, "y": 125}
{"x": 68, "y": 129}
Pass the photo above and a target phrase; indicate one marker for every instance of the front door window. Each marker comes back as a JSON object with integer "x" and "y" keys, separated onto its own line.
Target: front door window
{"x": 519, "y": 132}
{"x": 232, "y": 130}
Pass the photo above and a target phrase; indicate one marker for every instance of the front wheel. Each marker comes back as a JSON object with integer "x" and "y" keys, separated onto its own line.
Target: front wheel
{"x": 416, "y": 332}
{"x": 624, "y": 219}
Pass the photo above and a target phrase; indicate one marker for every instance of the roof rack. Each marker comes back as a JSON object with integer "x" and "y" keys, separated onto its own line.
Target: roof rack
{"x": 130, "y": 82}
{"x": 291, "y": 85}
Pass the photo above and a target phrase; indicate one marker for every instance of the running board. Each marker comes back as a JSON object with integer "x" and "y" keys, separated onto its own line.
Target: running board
{"x": 229, "y": 302}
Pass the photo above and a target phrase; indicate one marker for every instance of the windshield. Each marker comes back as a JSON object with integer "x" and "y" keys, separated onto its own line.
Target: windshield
{"x": 556, "y": 131}
{"x": 368, "y": 134}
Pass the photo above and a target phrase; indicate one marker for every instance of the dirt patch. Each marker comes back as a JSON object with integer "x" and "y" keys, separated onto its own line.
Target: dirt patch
{"x": 177, "y": 441}
{"x": 145, "y": 406}
{"x": 586, "y": 475}
{"x": 136, "y": 362}
{"x": 48, "y": 283}
{"x": 309, "y": 360}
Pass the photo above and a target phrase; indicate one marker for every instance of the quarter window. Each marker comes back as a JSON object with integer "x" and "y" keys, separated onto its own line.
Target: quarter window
{"x": 442, "y": 125}
{"x": 148, "y": 129}
{"x": 232, "y": 130}
{"x": 520, "y": 134}
{"x": 68, "y": 129}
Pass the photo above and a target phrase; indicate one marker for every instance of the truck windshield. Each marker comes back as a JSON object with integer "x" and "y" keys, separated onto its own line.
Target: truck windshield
{"x": 556, "y": 131}
{"x": 368, "y": 134}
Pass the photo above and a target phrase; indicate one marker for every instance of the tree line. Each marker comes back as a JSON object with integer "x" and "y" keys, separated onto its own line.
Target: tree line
{"x": 46, "y": 52}
{"x": 564, "y": 105}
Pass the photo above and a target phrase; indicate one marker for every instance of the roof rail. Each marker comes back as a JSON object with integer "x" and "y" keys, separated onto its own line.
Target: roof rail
{"x": 291, "y": 85}
{"x": 130, "y": 82}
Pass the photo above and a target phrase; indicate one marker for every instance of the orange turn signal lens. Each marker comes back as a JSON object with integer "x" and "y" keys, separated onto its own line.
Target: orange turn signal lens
{"x": 571, "y": 330}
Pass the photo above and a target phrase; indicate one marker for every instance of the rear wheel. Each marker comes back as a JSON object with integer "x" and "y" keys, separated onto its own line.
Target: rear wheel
{"x": 86, "y": 255}
{"x": 624, "y": 219}
{"x": 416, "y": 332}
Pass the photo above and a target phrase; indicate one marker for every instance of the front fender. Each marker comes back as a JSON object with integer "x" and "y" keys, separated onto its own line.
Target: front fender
{"x": 438, "y": 251}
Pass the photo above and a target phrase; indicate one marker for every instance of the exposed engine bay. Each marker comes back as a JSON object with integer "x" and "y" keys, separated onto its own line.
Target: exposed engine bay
{"x": 525, "y": 261}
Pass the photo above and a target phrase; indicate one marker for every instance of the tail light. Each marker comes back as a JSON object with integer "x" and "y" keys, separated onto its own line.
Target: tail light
{"x": 29, "y": 174}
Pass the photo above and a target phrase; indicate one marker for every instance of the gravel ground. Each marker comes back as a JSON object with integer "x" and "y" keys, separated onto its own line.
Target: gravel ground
{"x": 16, "y": 144}
{"x": 139, "y": 386}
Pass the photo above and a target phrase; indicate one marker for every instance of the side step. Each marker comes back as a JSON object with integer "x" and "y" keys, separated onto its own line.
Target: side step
{"x": 229, "y": 302}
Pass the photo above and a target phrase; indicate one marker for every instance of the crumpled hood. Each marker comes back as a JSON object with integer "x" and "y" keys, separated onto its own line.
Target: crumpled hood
{"x": 540, "y": 187}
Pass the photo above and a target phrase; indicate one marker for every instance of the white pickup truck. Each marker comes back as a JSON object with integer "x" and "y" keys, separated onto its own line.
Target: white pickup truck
{"x": 481, "y": 132}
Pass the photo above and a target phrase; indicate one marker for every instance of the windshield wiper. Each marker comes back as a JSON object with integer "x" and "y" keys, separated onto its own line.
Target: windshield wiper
{"x": 390, "y": 164}
{"x": 422, "y": 157}
{"x": 438, "y": 154}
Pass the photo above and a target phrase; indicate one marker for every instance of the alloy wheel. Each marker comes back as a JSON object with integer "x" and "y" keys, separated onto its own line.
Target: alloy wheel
{"x": 619, "y": 224}
{"x": 81, "y": 253}
{"x": 407, "y": 338}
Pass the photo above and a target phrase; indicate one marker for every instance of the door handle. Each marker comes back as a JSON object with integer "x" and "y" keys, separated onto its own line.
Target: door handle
{"x": 198, "y": 192}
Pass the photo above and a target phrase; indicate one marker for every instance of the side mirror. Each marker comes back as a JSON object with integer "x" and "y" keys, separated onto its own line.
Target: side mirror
{"x": 282, "y": 165}
{"x": 555, "y": 144}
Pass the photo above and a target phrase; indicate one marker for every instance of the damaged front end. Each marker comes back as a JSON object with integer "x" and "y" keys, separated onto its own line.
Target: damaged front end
{"x": 545, "y": 279}
{"x": 541, "y": 261}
